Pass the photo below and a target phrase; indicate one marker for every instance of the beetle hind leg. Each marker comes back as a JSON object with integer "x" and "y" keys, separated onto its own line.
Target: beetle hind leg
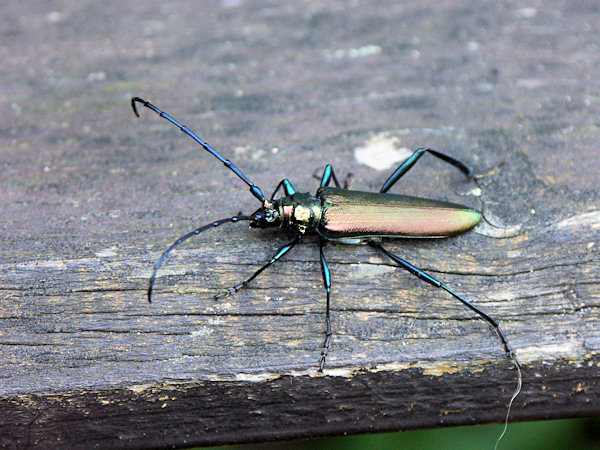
{"x": 510, "y": 353}
{"x": 280, "y": 252}
{"x": 412, "y": 159}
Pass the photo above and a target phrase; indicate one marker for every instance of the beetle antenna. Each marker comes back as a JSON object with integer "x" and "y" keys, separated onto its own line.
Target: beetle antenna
{"x": 255, "y": 190}
{"x": 184, "y": 238}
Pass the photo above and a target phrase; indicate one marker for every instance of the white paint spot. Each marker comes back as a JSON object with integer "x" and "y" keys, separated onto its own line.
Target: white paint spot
{"x": 531, "y": 83}
{"x": 201, "y": 332}
{"x": 366, "y": 50}
{"x": 475, "y": 192}
{"x": 345, "y": 372}
{"x": 139, "y": 388}
{"x": 371, "y": 271}
{"x": 473, "y": 46}
{"x": 484, "y": 228}
{"x": 381, "y": 152}
{"x": 256, "y": 377}
{"x": 46, "y": 265}
{"x": 359, "y": 52}
{"x": 526, "y": 13}
{"x": 107, "y": 252}
{"x": 97, "y": 76}
{"x": 544, "y": 352}
{"x": 53, "y": 17}
{"x": 591, "y": 219}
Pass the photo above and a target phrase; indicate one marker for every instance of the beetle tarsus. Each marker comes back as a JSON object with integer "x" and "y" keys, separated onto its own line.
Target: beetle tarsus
{"x": 230, "y": 291}
{"x": 324, "y": 351}
{"x": 489, "y": 172}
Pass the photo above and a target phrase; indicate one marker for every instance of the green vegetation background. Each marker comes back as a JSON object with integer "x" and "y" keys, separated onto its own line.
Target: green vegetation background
{"x": 569, "y": 434}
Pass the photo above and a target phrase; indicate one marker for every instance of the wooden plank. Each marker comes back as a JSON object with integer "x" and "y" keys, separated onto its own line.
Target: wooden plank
{"x": 90, "y": 197}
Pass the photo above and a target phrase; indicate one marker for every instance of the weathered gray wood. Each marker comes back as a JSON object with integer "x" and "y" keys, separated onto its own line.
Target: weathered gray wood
{"x": 90, "y": 196}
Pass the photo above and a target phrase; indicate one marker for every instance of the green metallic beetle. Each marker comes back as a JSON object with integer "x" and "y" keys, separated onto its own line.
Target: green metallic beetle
{"x": 346, "y": 216}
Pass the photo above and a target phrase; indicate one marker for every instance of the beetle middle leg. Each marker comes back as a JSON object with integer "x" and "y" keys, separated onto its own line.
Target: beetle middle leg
{"x": 328, "y": 175}
{"x": 327, "y": 283}
{"x": 410, "y": 162}
{"x": 282, "y": 251}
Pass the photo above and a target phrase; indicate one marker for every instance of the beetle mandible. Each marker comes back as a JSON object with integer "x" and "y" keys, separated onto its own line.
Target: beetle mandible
{"x": 346, "y": 216}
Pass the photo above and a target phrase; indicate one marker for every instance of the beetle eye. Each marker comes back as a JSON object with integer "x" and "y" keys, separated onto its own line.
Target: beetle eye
{"x": 271, "y": 215}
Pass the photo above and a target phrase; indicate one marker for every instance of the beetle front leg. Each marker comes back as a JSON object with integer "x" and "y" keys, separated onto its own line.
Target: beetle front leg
{"x": 287, "y": 188}
{"x": 282, "y": 251}
{"x": 327, "y": 283}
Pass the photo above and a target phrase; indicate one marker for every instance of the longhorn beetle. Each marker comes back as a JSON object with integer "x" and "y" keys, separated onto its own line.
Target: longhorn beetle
{"x": 347, "y": 216}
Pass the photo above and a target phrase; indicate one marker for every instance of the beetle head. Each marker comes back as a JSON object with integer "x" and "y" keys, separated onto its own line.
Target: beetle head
{"x": 267, "y": 216}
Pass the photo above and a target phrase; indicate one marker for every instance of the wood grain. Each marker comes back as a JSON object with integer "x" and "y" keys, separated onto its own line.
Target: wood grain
{"x": 90, "y": 197}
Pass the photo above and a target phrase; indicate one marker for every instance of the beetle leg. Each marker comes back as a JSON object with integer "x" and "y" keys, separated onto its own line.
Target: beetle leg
{"x": 287, "y": 188}
{"x": 328, "y": 175}
{"x": 327, "y": 283}
{"x": 429, "y": 279}
{"x": 407, "y": 165}
{"x": 282, "y": 251}
{"x": 510, "y": 353}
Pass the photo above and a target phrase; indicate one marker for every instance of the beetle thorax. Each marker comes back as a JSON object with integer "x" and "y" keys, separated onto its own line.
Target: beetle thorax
{"x": 300, "y": 212}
